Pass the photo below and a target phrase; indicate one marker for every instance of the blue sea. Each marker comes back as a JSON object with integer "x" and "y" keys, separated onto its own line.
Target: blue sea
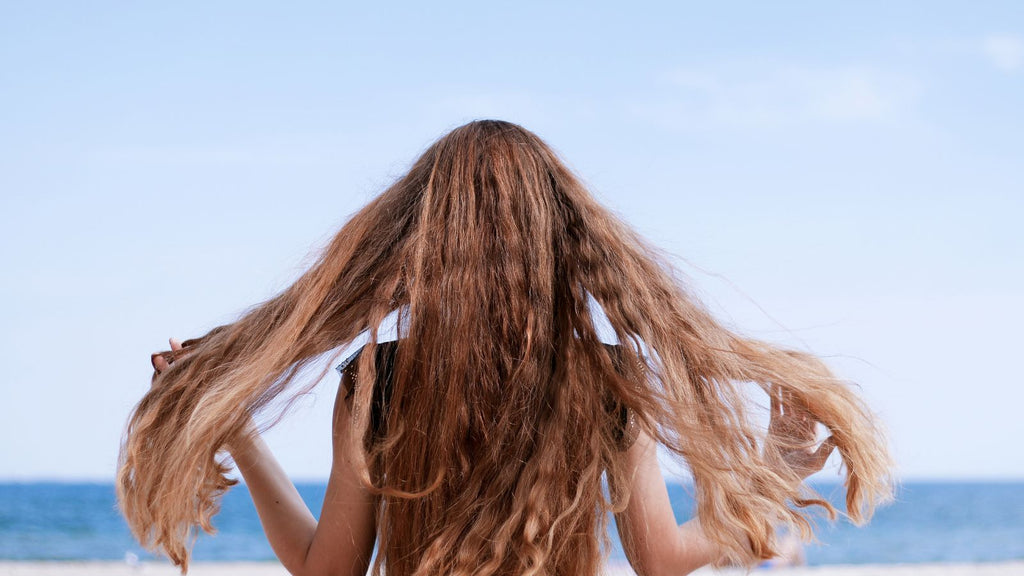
{"x": 930, "y": 522}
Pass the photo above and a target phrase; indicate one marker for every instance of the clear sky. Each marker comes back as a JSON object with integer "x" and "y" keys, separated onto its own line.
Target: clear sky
{"x": 846, "y": 177}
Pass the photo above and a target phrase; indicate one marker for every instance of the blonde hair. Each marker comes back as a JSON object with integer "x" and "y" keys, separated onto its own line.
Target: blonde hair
{"x": 497, "y": 431}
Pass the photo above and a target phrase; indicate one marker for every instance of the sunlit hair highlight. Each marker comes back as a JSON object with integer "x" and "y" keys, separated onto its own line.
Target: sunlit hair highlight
{"x": 497, "y": 433}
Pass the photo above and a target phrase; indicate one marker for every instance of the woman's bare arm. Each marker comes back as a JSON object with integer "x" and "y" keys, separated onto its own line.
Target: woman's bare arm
{"x": 653, "y": 542}
{"x": 287, "y": 521}
{"x": 342, "y": 541}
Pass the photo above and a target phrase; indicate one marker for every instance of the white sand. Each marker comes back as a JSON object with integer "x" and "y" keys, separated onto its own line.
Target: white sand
{"x": 274, "y": 569}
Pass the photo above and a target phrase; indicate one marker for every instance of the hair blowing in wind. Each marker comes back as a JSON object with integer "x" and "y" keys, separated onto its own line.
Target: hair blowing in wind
{"x": 497, "y": 434}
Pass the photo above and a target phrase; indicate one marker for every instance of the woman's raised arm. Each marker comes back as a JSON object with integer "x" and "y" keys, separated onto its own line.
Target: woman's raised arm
{"x": 342, "y": 541}
{"x": 653, "y": 542}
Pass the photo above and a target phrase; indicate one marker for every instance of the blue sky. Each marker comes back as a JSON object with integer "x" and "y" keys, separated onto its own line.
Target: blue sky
{"x": 844, "y": 178}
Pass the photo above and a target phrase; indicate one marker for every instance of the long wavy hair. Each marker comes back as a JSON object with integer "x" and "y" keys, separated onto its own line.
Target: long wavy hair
{"x": 498, "y": 431}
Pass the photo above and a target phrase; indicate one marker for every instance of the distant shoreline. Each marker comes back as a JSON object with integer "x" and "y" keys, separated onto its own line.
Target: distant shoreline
{"x": 90, "y": 568}
{"x": 929, "y": 523}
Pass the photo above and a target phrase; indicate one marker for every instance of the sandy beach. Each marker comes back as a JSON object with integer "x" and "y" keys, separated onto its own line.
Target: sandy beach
{"x": 274, "y": 569}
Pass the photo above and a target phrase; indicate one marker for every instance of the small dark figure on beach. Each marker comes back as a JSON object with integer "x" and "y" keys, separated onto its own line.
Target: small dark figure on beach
{"x": 498, "y": 430}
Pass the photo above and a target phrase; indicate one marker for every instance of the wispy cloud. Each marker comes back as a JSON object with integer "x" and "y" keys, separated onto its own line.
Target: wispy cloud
{"x": 1005, "y": 52}
{"x": 779, "y": 93}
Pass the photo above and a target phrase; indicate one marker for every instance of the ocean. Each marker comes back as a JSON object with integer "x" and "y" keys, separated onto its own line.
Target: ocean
{"x": 929, "y": 522}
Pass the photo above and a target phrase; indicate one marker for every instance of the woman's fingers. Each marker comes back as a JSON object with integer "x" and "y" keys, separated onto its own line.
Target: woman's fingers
{"x": 805, "y": 425}
{"x": 158, "y": 361}
{"x": 794, "y": 429}
{"x": 791, "y": 424}
{"x": 821, "y": 455}
{"x": 799, "y": 422}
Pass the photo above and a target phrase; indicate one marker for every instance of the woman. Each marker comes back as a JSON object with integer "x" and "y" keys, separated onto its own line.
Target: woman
{"x": 477, "y": 441}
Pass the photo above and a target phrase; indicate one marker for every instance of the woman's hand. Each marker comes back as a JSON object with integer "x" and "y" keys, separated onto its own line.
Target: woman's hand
{"x": 162, "y": 360}
{"x": 792, "y": 431}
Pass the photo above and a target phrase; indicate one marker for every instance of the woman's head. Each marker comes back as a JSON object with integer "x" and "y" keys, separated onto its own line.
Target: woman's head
{"x": 498, "y": 430}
